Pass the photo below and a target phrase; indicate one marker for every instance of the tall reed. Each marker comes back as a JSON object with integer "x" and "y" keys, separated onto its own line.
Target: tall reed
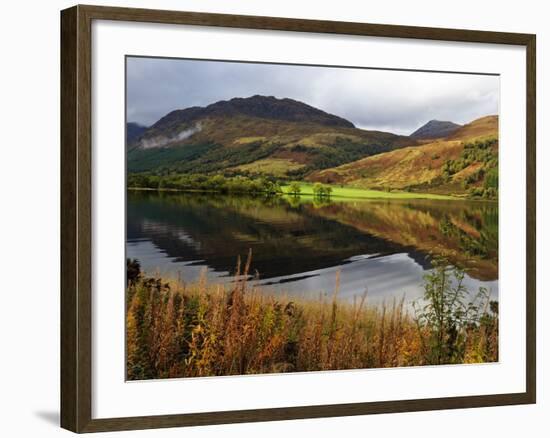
{"x": 174, "y": 329}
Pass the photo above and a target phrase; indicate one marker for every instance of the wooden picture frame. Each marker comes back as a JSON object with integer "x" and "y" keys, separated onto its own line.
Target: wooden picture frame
{"x": 76, "y": 218}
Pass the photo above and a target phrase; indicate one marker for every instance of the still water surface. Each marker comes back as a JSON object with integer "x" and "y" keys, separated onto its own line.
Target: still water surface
{"x": 299, "y": 245}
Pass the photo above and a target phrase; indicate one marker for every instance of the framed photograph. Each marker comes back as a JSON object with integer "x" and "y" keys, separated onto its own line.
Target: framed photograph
{"x": 269, "y": 219}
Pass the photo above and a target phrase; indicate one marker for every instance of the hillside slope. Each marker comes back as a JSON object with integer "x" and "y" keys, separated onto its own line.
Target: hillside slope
{"x": 256, "y": 135}
{"x": 457, "y": 164}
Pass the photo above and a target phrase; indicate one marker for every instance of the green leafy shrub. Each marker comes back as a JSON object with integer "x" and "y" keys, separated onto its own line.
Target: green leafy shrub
{"x": 449, "y": 317}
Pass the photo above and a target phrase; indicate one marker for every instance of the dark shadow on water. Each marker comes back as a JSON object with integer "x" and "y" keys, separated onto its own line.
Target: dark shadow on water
{"x": 288, "y": 280}
{"x": 51, "y": 417}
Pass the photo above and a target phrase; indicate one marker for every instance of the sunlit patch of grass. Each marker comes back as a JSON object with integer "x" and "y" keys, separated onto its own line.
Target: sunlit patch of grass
{"x": 277, "y": 167}
{"x": 356, "y": 193}
{"x": 245, "y": 140}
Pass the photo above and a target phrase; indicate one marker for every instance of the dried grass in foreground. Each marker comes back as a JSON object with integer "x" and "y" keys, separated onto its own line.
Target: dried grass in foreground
{"x": 202, "y": 329}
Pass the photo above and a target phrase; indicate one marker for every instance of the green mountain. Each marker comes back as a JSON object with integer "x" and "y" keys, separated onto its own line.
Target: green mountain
{"x": 258, "y": 135}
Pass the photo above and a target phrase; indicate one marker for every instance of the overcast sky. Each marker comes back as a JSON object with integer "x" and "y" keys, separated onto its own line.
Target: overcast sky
{"x": 394, "y": 101}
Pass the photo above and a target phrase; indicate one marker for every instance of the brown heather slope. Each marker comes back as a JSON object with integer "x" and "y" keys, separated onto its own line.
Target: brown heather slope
{"x": 479, "y": 128}
{"x": 418, "y": 167}
{"x": 237, "y": 130}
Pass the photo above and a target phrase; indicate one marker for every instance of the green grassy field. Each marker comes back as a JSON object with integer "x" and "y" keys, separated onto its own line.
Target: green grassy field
{"x": 349, "y": 192}
{"x": 277, "y": 167}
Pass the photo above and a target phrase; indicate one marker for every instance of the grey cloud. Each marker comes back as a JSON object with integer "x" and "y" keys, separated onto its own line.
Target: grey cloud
{"x": 395, "y": 101}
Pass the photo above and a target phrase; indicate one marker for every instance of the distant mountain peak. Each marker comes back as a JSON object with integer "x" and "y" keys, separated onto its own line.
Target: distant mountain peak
{"x": 134, "y": 131}
{"x": 435, "y": 129}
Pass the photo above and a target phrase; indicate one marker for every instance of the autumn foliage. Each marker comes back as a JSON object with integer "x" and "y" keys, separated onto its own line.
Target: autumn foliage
{"x": 174, "y": 329}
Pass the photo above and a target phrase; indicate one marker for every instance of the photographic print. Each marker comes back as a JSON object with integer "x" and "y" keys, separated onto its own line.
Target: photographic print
{"x": 293, "y": 218}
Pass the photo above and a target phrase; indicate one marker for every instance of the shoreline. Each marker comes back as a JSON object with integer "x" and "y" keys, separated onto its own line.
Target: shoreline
{"x": 372, "y": 194}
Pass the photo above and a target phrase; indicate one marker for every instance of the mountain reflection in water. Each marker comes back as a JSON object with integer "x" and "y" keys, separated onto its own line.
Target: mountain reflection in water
{"x": 384, "y": 246}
